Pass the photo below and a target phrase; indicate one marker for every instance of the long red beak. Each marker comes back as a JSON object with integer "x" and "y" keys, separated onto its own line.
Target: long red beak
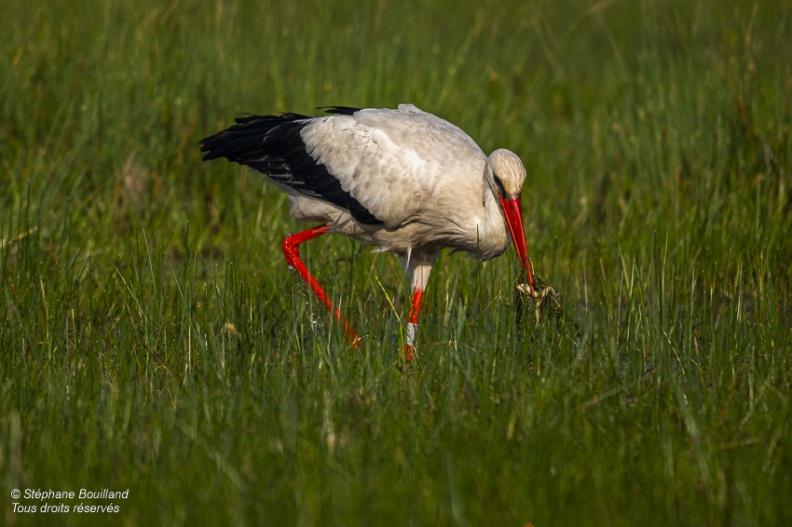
{"x": 512, "y": 209}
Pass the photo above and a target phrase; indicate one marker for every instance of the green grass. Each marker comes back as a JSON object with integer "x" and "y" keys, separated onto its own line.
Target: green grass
{"x": 153, "y": 338}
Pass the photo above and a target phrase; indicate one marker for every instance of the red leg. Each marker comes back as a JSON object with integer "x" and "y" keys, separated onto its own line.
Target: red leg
{"x": 420, "y": 277}
{"x": 291, "y": 251}
{"x": 412, "y": 324}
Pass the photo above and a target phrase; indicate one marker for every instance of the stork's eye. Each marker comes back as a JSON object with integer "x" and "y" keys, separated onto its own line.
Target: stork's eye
{"x": 499, "y": 184}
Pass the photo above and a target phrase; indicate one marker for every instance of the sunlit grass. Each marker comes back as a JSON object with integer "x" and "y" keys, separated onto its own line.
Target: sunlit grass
{"x": 153, "y": 338}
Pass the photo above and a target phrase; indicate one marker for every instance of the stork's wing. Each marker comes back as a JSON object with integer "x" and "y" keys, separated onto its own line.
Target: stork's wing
{"x": 381, "y": 165}
{"x": 272, "y": 145}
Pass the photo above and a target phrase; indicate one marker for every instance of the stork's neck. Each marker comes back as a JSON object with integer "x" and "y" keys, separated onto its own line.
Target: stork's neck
{"x": 493, "y": 232}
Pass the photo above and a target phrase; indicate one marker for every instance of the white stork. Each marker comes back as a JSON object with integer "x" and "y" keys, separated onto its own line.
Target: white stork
{"x": 402, "y": 180}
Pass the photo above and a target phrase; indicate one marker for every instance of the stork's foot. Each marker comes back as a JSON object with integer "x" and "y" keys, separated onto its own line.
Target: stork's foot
{"x": 408, "y": 352}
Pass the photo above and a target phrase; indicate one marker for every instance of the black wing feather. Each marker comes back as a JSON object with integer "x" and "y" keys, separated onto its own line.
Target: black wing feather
{"x": 272, "y": 144}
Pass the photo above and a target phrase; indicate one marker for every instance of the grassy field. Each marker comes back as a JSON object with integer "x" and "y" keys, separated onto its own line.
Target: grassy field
{"x": 153, "y": 339}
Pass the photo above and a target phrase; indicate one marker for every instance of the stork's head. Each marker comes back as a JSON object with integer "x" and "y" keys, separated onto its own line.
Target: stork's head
{"x": 506, "y": 176}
